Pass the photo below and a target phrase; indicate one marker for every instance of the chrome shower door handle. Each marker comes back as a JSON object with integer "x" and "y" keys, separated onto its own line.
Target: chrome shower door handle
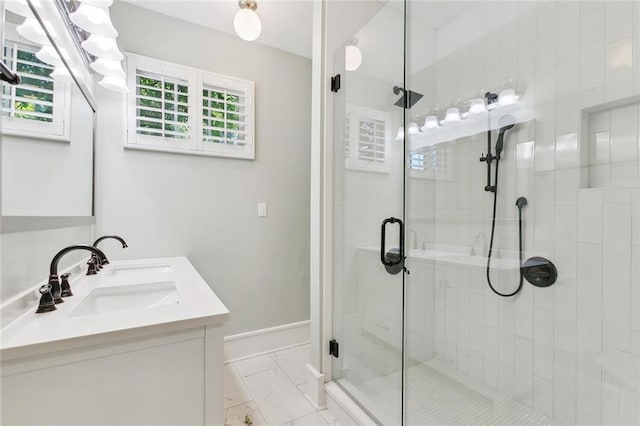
{"x": 393, "y": 260}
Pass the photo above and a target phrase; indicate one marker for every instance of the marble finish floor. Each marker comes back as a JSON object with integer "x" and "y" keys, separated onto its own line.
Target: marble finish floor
{"x": 268, "y": 389}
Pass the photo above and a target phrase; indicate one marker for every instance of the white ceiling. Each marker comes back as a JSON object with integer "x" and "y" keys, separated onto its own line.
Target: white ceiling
{"x": 286, "y": 24}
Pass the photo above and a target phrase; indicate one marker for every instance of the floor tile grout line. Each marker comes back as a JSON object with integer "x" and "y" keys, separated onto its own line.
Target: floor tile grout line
{"x": 278, "y": 366}
{"x": 260, "y": 372}
{"x": 305, "y": 415}
{"x": 250, "y": 394}
{"x": 285, "y": 373}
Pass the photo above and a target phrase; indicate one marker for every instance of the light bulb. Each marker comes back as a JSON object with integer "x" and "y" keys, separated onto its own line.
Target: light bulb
{"x": 19, "y": 7}
{"x": 98, "y": 3}
{"x": 60, "y": 73}
{"x": 48, "y": 55}
{"x": 431, "y": 122}
{"x": 352, "y": 58}
{"x": 452, "y": 115}
{"x": 400, "y": 134}
{"x": 95, "y": 20}
{"x": 102, "y": 47}
{"x": 507, "y": 97}
{"x": 32, "y": 31}
{"x": 413, "y": 128}
{"x": 108, "y": 68}
{"x": 115, "y": 84}
{"x": 247, "y": 24}
{"x": 477, "y": 106}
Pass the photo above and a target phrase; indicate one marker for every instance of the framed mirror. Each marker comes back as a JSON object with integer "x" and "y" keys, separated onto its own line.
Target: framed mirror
{"x": 48, "y": 132}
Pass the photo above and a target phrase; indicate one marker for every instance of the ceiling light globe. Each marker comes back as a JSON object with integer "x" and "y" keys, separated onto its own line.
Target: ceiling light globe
{"x": 98, "y": 3}
{"x": 19, "y": 7}
{"x": 114, "y": 84}
{"x": 95, "y": 20}
{"x": 103, "y": 47}
{"x": 32, "y": 31}
{"x": 352, "y": 58}
{"x": 247, "y": 24}
{"x": 108, "y": 68}
{"x": 49, "y": 55}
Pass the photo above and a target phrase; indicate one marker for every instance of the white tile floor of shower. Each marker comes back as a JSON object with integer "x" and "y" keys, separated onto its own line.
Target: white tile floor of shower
{"x": 268, "y": 388}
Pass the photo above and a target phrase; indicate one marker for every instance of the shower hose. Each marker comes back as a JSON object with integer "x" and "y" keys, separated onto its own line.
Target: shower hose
{"x": 493, "y": 228}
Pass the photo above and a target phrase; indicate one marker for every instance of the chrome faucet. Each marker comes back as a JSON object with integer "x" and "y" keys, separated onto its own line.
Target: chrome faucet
{"x": 98, "y": 262}
{"x": 53, "y": 292}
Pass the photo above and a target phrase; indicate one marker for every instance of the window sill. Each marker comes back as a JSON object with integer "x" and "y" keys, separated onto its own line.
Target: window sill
{"x": 35, "y": 135}
{"x": 168, "y": 150}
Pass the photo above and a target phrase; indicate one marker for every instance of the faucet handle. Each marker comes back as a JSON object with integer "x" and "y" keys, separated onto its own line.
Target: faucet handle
{"x": 46, "y": 300}
{"x": 54, "y": 282}
{"x": 64, "y": 285}
{"x": 93, "y": 267}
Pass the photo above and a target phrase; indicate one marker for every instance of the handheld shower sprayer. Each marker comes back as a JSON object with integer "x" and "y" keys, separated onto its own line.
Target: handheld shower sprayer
{"x": 506, "y": 123}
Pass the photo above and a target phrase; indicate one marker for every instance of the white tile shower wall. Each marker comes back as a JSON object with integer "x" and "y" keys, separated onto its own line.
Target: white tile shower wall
{"x": 556, "y": 349}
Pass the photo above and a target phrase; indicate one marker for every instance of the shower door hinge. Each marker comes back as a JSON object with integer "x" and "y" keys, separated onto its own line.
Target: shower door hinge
{"x": 335, "y": 83}
{"x": 334, "y": 348}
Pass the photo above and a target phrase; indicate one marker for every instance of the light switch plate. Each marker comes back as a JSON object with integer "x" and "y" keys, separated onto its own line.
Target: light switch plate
{"x": 262, "y": 209}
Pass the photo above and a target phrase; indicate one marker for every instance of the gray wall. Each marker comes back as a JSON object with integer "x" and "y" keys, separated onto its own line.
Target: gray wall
{"x": 205, "y": 207}
{"x": 25, "y": 256}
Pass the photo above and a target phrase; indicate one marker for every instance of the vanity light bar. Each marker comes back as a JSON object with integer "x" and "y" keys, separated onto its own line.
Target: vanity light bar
{"x": 453, "y": 115}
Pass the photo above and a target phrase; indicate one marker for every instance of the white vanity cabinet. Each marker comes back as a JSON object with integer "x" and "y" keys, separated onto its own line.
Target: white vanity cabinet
{"x": 165, "y": 368}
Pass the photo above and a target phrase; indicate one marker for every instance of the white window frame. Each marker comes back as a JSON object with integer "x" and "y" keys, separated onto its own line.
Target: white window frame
{"x": 164, "y": 69}
{"x": 56, "y": 130}
{"x": 248, "y": 88}
{"x": 196, "y": 80}
{"x": 355, "y": 113}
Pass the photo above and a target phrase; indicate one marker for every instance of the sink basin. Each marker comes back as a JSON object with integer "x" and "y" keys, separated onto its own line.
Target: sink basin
{"x": 128, "y": 297}
{"x": 138, "y": 270}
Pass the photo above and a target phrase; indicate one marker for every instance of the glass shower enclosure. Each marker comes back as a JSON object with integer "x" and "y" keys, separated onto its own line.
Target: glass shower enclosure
{"x": 486, "y": 211}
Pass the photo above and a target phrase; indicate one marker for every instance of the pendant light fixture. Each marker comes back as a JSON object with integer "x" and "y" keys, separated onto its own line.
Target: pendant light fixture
{"x": 247, "y": 22}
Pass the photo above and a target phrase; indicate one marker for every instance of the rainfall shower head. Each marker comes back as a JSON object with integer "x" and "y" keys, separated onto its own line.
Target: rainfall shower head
{"x": 408, "y": 99}
{"x": 506, "y": 123}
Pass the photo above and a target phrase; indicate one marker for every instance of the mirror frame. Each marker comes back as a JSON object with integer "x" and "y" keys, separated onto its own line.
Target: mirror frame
{"x": 10, "y": 224}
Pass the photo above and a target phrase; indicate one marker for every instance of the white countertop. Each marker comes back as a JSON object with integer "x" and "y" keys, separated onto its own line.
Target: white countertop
{"x": 34, "y": 334}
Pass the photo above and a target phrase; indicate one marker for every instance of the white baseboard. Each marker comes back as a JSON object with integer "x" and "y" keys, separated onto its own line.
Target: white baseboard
{"x": 343, "y": 408}
{"x": 313, "y": 388}
{"x": 258, "y": 342}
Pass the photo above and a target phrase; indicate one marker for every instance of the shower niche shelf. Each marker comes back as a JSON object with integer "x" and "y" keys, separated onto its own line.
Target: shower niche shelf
{"x": 611, "y": 146}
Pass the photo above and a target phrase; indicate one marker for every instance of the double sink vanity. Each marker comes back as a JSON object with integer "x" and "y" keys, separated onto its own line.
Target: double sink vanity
{"x": 138, "y": 342}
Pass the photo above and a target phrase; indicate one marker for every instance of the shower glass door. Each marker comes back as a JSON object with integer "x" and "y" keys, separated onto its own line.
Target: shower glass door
{"x": 368, "y": 199}
{"x": 558, "y": 85}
